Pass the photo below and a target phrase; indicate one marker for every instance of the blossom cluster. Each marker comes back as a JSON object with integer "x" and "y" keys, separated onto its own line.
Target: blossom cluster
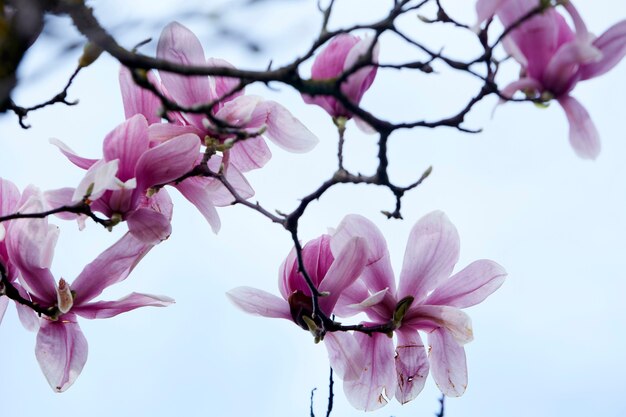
{"x": 204, "y": 147}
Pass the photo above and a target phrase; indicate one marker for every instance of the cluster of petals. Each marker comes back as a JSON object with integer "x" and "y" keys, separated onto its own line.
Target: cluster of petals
{"x": 554, "y": 58}
{"x": 340, "y": 56}
{"x": 374, "y": 368}
{"x": 27, "y": 251}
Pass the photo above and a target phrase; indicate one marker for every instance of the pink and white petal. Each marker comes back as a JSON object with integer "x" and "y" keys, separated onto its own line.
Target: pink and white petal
{"x": 59, "y": 198}
{"x": 111, "y": 266}
{"x": 195, "y": 191}
{"x": 364, "y": 126}
{"x": 283, "y": 128}
{"x": 330, "y": 62}
{"x": 99, "y": 178}
{"x": 249, "y": 154}
{"x": 429, "y": 317}
{"x": 485, "y": 10}
{"x": 612, "y": 44}
{"x": 523, "y": 84}
{"x": 360, "y": 81}
{"x": 127, "y": 142}
{"x": 583, "y": 135}
{"x": 106, "y": 309}
{"x": 447, "y": 363}
{"x": 138, "y": 100}
{"x": 259, "y": 302}
{"x": 344, "y": 354}
{"x": 411, "y": 364}
{"x": 179, "y": 45}
{"x": 470, "y": 286}
{"x": 345, "y": 269}
{"x": 378, "y": 273}
{"x": 560, "y": 74}
{"x": 79, "y": 161}
{"x": 431, "y": 253}
{"x": 161, "y": 132}
{"x": 376, "y": 383}
{"x": 29, "y": 319}
{"x": 328, "y": 103}
{"x": 224, "y": 86}
{"x": 513, "y": 50}
{"x": 240, "y": 111}
{"x": 167, "y": 161}
{"x": 149, "y": 226}
{"x": 61, "y": 351}
{"x": 9, "y": 197}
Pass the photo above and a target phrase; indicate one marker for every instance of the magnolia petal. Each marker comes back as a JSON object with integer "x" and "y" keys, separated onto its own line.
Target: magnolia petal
{"x": 179, "y": 45}
{"x": 79, "y": 161}
{"x": 195, "y": 191}
{"x": 431, "y": 253}
{"x": 106, "y": 309}
{"x": 583, "y": 135}
{"x": 127, "y": 142}
{"x": 162, "y": 132}
{"x": 345, "y": 269}
{"x": 61, "y": 351}
{"x": 260, "y": 303}
{"x": 249, "y": 154}
{"x": 429, "y": 317}
{"x": 220, "y": 195}
{"x": 239, "y": 112}
{"x": 168, "y": 161}
{"x": 470, "y": 286}
{"x": 99, "y": 178}
{"x": 9, "y": 197}
{"x": 411, "y": 364}
{"x": 344, "y": 354}
{"x": 138, "y": 100}
{"x": 149, "y": 226}
{"x": 364, "y": 126}
{"x": 29, "y": 319}
{"x": 376, "y": 383}
{"x": 330, "y": 62}
{"x": 59, "y": 198}
{"x": 560, "y": 74}
{"x": 378, "y": 273}
{"x": 111, "y": 266}
{"x": 612, "y": 44}
{"x": 371, "y": 301}
{"x": 224, "y": 86}
{"x": 447, "y": 363}
{"x": 485, "y": 10}
{"x": 283, "y": 128}
{"x": 361, "y": 80}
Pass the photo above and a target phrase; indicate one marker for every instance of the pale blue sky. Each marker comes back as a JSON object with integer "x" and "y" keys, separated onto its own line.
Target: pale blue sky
{"x": 549, "y": 343}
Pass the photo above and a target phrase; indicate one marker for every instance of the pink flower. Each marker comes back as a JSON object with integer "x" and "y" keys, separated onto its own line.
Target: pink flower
{"x": 554, "y": 59}
{"x": 427, "y": 300}
{"x": 61, "y": 348}
{"x": 341, "y": 54}
{"x": 246, "y": 112}
{"x": 203, "y": 192}
{"x": 141, "y": 164}
{"x": 331, "y": 272}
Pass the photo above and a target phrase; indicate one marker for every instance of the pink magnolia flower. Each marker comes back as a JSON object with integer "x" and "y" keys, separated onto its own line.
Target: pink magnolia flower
{"x": 144, "y": 166}
{"x": 203, "y": 192}
{"x": 246, "y": 112}
{"x": 331, "y": 272}
{"x": 341, "y": 54}
{"x": 10, "y": 198}
{"x": 427, "y": 300}
{"x": 61, "y": 348}
{"x": 554, "y": 58}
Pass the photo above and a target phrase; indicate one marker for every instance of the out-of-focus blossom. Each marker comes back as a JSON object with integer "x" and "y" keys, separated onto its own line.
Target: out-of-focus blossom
{"x": 554, "y": 58}
{"x": 341, "y": 55}
{"x": 129, "y": 196}
{"x": 427, "y": 300}
{"x": 331, "y": 273}
{"x": 61, "y": 348}
{"x": 252, "y": 114}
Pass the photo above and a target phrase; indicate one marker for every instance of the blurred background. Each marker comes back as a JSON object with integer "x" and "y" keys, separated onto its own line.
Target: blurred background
{"x": 550, "y": 342}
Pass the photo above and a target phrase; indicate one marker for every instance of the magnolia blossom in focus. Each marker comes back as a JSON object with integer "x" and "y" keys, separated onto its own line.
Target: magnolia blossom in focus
{"x": 340, "y": 56}
{"x": 61, "y": 348}
{"x": 252, "y": 114}
{"x": 554, "y": 58}
{"x": 331, "y": 273}
{"x": 148, "y": 214}
{"x": 427, "y": 300}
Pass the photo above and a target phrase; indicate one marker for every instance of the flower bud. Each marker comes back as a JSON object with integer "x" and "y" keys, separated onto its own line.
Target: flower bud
{"x": 65, "y": 300}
